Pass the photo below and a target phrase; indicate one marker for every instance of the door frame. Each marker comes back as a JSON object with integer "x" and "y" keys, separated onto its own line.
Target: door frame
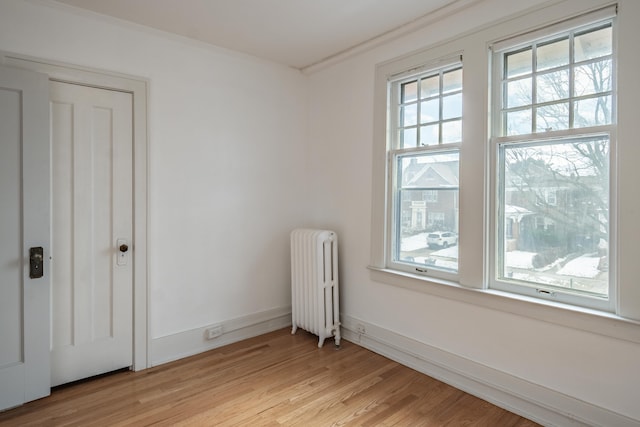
{"x": 138, "y": 87}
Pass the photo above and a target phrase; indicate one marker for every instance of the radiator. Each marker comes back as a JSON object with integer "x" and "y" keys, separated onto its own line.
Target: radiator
{"x": 314, "y": 283}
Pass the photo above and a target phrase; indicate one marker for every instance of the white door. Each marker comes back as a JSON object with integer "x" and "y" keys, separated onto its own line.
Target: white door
{"x": 24, "y": 223}
{"x": 92, "y": 222}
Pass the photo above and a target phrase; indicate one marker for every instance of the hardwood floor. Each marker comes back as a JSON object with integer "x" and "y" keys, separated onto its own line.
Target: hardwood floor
{"x": 272, "y": 380}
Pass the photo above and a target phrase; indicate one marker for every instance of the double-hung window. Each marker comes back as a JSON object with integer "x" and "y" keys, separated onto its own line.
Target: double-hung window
{"x": 554, "y": 129}
{"x": 424, "y": 137}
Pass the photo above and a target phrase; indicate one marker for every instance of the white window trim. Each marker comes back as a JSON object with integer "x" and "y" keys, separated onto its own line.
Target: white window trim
{"x": 473, "y": 270}
{"x": 394, "y": 80}
{"x": 498, "y": 49}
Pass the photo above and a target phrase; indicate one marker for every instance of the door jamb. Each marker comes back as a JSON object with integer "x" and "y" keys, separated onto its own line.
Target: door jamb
{"x": 138, "y": 88}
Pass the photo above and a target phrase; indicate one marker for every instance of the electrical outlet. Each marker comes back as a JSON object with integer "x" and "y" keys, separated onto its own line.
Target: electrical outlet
{"x": 213, "y": 332}
{"x": 360, "y": 328}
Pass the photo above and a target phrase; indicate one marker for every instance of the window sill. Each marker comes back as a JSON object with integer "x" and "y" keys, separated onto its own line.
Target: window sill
{"x": 584, "y": 319}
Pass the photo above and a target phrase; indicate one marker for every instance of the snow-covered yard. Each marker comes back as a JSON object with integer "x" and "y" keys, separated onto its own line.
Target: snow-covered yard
{"x": 413, "y": 243}
{"x": 520, "y": 259}
{"x": 583, "y": 266}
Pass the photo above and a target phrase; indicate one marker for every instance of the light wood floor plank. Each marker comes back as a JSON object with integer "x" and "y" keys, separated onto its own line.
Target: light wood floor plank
{"x": 269, "y": 381}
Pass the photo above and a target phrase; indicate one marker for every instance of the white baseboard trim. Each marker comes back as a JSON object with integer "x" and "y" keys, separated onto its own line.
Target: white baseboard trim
{"x": 183, "y": 344}
{"x": 532, "y": 401}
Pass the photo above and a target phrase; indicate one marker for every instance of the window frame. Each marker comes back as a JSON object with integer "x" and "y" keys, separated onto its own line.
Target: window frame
{"x": 395, "y": 152}
{"x": 476, "y": 181}
{"x": 499, "y": 138}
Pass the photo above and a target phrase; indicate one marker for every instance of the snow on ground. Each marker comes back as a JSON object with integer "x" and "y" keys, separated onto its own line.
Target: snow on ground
{"x": 413, "y": 243}
{"x": 583, "y": 266}
{"x": 446, "y": 258}
{"x": 520, "y": 259}
{"x": 419, "y": 241}
{"x": 450, "y": 252}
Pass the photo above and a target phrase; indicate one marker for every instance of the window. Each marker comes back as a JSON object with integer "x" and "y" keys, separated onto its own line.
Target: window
{"x": 550, "y": 197}
{"x": 425, "y": 132}
{"x": 431, "y": 196}
{"x": 436, "y": 219}
{"x": 553, "y": 135}
{"x": 536, "y": 196}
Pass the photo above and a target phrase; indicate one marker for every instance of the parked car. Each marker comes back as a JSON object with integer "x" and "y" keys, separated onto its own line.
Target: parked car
{"x": 442, "y": 239}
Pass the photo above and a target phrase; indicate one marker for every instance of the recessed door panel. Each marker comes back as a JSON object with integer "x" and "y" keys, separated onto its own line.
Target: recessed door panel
{"x": 92, "y": 211}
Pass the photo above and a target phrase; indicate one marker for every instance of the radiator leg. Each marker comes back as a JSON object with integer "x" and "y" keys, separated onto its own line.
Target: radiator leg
{"x": 320, "y": 342}
{"x": 337, "y": 337}
{"x": 294, "y": 329}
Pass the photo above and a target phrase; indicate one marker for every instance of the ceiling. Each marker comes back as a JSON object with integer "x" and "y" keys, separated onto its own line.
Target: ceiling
{"x": 297, "y": 33}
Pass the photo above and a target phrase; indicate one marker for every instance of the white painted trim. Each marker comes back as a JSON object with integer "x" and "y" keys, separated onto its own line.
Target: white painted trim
{"x": 138, "y": 87}
{"x": 183, "y": 344}
{"x": 415, "y": 25}
{"x": 579, "y": 318}
{"x": 532, "y": 401}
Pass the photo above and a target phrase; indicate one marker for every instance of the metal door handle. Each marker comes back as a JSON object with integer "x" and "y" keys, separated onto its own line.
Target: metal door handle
{"x": 36, "y": 262}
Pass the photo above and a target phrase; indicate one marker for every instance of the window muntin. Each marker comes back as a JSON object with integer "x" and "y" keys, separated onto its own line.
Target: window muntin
{"x": 426, "y": 124}
{"x": 554, "y": 140}
{"x": 558, "y": 84}
{"x": 430, "y": 110}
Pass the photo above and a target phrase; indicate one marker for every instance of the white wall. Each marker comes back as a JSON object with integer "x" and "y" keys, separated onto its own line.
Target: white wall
{"x": 598, "y": 370}
{"x": 227, "y": 175}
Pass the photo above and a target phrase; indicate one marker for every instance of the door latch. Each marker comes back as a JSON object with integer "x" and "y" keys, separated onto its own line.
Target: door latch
{"x": 123, "y": 249}
{"x": 36, "y": 262}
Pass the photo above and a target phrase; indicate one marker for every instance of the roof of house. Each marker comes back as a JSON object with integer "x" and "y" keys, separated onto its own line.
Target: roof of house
{"x": 431, "y": 175}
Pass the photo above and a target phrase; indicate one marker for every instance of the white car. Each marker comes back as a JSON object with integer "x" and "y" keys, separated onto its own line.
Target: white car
{"x": 442, "y": 239}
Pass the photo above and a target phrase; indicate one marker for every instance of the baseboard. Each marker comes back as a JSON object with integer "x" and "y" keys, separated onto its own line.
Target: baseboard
{"x": 532, "y": 401}
{"x": 176, "y": 346}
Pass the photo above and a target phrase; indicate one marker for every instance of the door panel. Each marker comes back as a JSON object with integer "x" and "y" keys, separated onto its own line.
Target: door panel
{"x": 92, "y": 135}
{"x": 11, "y": 311}
{"x": 24, "y": 223}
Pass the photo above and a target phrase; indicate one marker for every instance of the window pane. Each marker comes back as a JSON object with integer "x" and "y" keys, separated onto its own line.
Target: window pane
{"x": 430, "y": 135}
{"x": 592, "y": 78}
{"x": 430, "y": 111}
{"x": 409, "y": 115}
{"x": 408, "y": 137}
{"x": 592, "y": 112}
{"x": 452, "y": 81}
{"x": 593, "y": 44}
{"x": 452, "y": 106}
{"x": 552, "y": 55}
{"x": 452, "y": 131}
{"x": 409, "y": 92}
{"x": 519, "y": 93}
{"x": 431, "y": 196}
{"x": 430, "y": 87}
{"x": 427, "y": 211}
{"x": 518, "y": 63}
{"x": 552, "y": 117}
{"x": 552, "y": 86}
{"x": 518, "y": 122}
{"x": 554, "y": 214}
